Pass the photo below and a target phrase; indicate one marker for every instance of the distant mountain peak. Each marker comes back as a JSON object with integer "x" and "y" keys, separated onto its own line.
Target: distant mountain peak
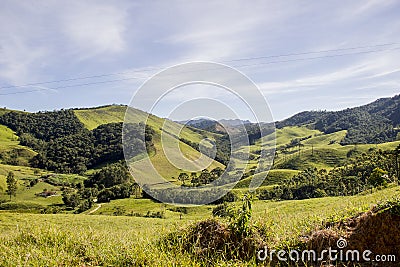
{"x": 233, "y": 122}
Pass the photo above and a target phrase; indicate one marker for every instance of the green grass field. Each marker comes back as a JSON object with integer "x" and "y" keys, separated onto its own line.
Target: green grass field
{"x": 26, "y": 194}
{"x": 286, "y": 134}
{"x": 7, "y": 135}
{"x": 272, "y": 177}
{"x": 98, "y": 240}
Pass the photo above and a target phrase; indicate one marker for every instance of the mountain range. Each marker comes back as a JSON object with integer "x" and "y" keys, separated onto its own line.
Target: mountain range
{"x": 373, "y": 123}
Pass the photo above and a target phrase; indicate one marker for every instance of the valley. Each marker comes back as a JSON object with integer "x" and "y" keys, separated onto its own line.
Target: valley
{"x": 94, "y": 206}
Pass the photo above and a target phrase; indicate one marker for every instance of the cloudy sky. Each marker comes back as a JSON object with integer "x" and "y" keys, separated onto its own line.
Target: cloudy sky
{"x": 303, "y": 55}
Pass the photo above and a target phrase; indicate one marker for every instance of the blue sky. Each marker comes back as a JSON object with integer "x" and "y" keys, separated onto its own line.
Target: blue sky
{"x": 129, "y": 41}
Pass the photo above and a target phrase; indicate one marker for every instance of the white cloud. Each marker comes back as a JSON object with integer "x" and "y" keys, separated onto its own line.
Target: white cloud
{"x": 20, "y": 54}
{"x": 366, "y": 72}
{"x": 35, "y": 38}
{"x": 371, "y": 6}
{"x": 316, "y": 80}
{"x": 17, "y": 60}
{"x": 218, "y": 31}
{"x": 51, "y": 40}
{"x": 95, "y": 28}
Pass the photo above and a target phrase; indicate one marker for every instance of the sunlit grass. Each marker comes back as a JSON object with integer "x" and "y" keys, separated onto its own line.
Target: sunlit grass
{"x": 82, "y": 240}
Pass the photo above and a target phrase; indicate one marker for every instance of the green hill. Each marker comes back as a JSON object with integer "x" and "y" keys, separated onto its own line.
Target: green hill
{"x": 94, "y": 117}
{"x": 297, "y": 147}
{"x": 272, "y": 177}
{"x": 10, "y": 150}
{"x": 376, "y": 122}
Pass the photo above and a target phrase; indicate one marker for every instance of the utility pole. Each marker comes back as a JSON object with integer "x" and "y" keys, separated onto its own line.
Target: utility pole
{"x": 299, "y": 150}
{"x": 396, "y": 153}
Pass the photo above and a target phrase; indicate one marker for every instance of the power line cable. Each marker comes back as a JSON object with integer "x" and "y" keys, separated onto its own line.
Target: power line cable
{"x": 319, "y": 57}
{"x": 228, "y": 61}
{"x": 311, "y": 52}
{"x": 236, "y": 66}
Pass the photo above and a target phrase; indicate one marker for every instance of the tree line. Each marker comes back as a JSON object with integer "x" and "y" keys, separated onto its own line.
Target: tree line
{"x": 373, "y": 169}
{"x": 64, "y": 145}
{"x": 373, "y": 123}
{"x": 111, "y": 182}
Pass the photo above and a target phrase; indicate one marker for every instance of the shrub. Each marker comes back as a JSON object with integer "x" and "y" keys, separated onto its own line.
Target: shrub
{"x": 211, "y": 240}
{"x": 21, "y": 206}
{"x": 221, "y": 210}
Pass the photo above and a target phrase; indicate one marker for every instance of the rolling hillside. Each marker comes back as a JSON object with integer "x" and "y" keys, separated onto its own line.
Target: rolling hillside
{"x": 10, "y": 150}
{"x": 173, "y": 133}
{"x": 298, "y": 147}
{"x": 376, "y": 122}
{"x": 94, "y": 117}
{"x": 128, "y": 224}
{"x": 318, "y": 148}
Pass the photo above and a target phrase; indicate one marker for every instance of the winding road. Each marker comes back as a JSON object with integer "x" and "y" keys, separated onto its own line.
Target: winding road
{"x": 94, "y": 210}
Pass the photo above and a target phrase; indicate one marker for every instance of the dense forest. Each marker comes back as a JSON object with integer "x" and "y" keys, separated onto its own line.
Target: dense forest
{"x": 376, "y": 122}
{"x": 64, "y": 145}
{"x": 44, "y": 126}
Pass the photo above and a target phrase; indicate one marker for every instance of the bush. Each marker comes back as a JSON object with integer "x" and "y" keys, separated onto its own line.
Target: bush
{"x": 378, "y": 177}
{"x": 119, "y": 211}
{"x": 320, "y": 193}
{"x": 21, "y": 206}
{"x": 183, "y": 210}
{"x": 221, "y": 210}
{"x": 156, "y": 214}
{"x": 229, "y": 197}
{"x": 392, "y": 206}
{"x": 265, "y": 194}
{"x": 51, "y": 210}
{"x": 211, "y": 240}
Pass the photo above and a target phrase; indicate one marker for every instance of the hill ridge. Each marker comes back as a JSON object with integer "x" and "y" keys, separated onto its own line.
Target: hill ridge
{"x": 375, "y": 122}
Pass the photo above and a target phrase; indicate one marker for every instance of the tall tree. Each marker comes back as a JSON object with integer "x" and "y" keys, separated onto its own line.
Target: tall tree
{"x": 396, "y": 154}
{"x": 216, "y": 173}
{"x": 183, "y": 177}
{"x": 11, "y": 184}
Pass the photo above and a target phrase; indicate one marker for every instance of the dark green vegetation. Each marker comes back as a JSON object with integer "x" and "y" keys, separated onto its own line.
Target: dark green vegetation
{"x": 372, "y": 169}
{"x": 11, "y": 184}
{"x": 373, "y": 123}
{"x": 64, "y": 145}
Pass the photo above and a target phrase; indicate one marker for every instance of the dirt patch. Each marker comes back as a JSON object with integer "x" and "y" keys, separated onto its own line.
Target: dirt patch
{"x": 376, "y": 230}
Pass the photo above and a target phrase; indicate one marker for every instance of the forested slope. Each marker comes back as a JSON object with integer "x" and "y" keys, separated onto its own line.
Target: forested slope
{"x": 376, "y": 122}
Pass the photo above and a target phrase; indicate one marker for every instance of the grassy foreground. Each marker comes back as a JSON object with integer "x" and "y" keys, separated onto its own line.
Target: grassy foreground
{"x": 93, "y": 240}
